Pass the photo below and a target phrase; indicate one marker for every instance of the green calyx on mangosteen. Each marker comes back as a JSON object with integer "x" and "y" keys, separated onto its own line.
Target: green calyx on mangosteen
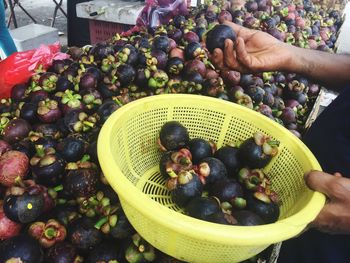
{"x": 216, "y": 37}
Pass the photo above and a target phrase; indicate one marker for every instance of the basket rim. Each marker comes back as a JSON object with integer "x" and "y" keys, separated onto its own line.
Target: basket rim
{"x": 195, "y": 228}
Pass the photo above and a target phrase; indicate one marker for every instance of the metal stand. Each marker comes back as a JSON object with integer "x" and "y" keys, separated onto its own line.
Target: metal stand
{"x": 12, "y": 4}
{"x": 58, "y": 7}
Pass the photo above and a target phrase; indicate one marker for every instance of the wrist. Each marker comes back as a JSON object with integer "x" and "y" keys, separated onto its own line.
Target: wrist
{"x": 291, "y": 59}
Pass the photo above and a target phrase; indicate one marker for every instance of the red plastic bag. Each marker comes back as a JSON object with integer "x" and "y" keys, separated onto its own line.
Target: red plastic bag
{"x": 20, "y": 66}
{"x": 158, "y": 12}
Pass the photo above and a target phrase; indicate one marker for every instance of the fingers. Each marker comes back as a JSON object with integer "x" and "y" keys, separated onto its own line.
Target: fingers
{"x": 241, "y": 53}
{"x": 335, "y": 187}
{"x": 230, "y": 56}
{"x": 217, "y": 58}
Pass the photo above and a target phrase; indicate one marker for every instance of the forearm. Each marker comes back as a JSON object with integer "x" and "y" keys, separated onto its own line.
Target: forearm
{"x": 331, "y": 70}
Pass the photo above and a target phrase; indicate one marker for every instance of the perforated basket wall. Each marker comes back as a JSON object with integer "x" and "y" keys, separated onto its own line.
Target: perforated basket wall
{"x": 129, "y": 158}
{"x": 102, "y": 30}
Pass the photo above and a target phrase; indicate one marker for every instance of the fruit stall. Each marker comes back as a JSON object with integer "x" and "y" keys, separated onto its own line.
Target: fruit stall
{"x": 137, "y": 149}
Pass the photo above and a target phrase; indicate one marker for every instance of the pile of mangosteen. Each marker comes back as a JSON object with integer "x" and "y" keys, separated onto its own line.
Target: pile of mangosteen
{"x": 225, "y": 185}
{"x": 56, "y": 205}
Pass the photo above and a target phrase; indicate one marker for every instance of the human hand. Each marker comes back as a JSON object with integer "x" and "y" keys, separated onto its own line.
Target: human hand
{"x": 253, "y": 51}
{"x": 334, "y": 218}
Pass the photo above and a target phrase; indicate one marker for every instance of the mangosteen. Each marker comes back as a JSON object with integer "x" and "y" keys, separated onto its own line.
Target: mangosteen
{"x": 228, "y": 190}
{"x": 161, "y": 43}
{"x": 105, "y": 252}
{"x": 190, "y": 37}
{"x": 200, "y": 31}
{"x": 28, "y": 112}
{"x": 81, "y": 182}
{"x": 161, "y": 58}
{"x": 194, "y": 50}
{"x": 184, "y": 187}
{"x": 106, "y": 109}
{"x": 16, "y": 130}
{"x": 18, "y": 92}
{"x": 229, "y": 156}
{"x": 47, "y": 166}
{"x": 267, "y": 210}
{"x": 179, "y": 21}
{"x": 71, "y": 148}
{"x": 196, "y": 66}
{"x": 175, "y": 34}
{"x": 202, "y": 207}
{"x": 22, "y": 248}
{"x": 62, "y": 252}
{"x": 101, "y": 51}
{"x": 220, "y": 217}
{"x": 257, "y": 151}
{"x": 200, "y": 149}
{"x": 248, "y": 218}
{"x": 212, "y": 170}
{"x": 175, "y": 66}
{"x": 83, "y": 235}
{"x": 251, "y": 6}
{"x": 48, "y": 111}
{"x": 223, "y": 16}
{"x": 126, "y": 74}
{"x": 123, "y": 228}
{"x": 37, "y": 96}
{"x": 288, "y": 115}
{"x": 24, "y": 208}
{"x": 48, "y": 81}
{"x": 58, "y": 66}
{"x": 210, "y": 16}
{"x": 173, "y": 136}
{"x": 256, "y": 93}
{"x": 128, "y": 54}
{"x": 87, "y": 81}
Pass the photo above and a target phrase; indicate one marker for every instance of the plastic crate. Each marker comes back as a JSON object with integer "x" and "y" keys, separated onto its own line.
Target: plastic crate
{"x": 102, "y": 31}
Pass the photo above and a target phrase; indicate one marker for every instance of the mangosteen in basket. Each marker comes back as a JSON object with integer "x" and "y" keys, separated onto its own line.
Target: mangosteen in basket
{"x": 228, "y": 190}
{"x": 173, "y": 136}
{"x": 229, "y": 156}
{"x": 217, "y": 36}
{"x": 184, "y": 186}
{"x": 174, "y": 161}
{"x": 257, "y": 151}
{"x": 200, "y": 149}
{"x": 220, "y": 217}
{"x": 264, "y": 207}
{"x": 202, "y": 207}
{"x": 247, "y": 218}
{"x": 22, "y": 248}
{"x": 212, "y": 170}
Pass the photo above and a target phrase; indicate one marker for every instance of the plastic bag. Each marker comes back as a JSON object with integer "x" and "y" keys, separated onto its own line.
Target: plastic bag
{"x": 20, "y": 66}
{"x": 158, "y": 12}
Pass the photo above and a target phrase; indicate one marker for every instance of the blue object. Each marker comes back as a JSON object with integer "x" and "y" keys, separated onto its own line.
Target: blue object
{"x": 6, "y": 42}
{"x": 329, "y": 140}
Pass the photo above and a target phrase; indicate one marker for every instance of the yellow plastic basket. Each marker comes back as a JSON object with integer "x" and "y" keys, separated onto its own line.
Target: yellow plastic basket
{"x": 129, "y": 159}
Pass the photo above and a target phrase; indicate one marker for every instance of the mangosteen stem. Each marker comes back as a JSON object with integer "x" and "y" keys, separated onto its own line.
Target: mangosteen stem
{"x": 172, "y": 174}
{"x": 85, "y": 158}
{"x": 101, "y": 222}
{"x": 18, "y": 181}
{"x": 58, "y": 188}
{"x": 40, "y": 151}
{"x": 273, "y": 143}
{"x": 50, "y": 233}
{"x": 61, "y": 201}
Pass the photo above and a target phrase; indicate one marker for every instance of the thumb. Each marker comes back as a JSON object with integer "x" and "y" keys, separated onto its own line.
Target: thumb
{"x": 325, "y": 183}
